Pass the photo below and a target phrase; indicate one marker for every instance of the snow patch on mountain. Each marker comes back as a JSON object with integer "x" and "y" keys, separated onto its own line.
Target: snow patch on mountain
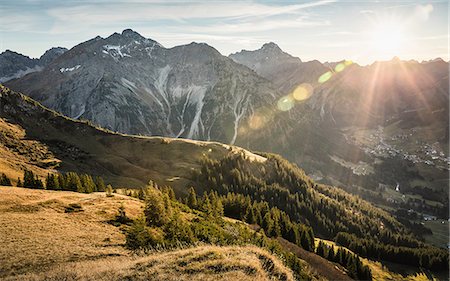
{"x": 69, "y": 69}
{"x": 115, "y": 51}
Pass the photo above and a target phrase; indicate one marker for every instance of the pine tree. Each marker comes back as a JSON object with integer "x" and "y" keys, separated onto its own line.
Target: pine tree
{"x": 19, "y": 183}
{"x": 141, "y": 194}
{"x": 109, "y": 191}
{"x": 267, "y": 224}
{"x": 330, "y": 255}
{"x": 100, "y": 184}
{"x": 73, "y": 182}
{"x": 155, "y": 210}
{"x": 250, "y": 216}
{"x": 52, "y": 182}
{"x": 206, "y": 205}
{"x": 28, "y": 179}
{"x": 192, "y": 199}
{"x": 4, "y": 180}
{"x": 62, "y": 180}
{"x": 121, "y": 216}
{"x": 88, "y": 183}
{"x": 320, "y": 249}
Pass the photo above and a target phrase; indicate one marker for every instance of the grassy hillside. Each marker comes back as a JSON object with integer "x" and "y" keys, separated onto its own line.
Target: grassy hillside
{"x": 42, "y": 240}
{"x": 46, "y": 141}
{"x": 198, "y": 263}
{"x": 34, "y": 137}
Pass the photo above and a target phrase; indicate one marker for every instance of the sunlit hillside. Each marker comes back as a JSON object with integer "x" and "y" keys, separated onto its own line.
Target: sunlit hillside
{"x": 82, "y": 244}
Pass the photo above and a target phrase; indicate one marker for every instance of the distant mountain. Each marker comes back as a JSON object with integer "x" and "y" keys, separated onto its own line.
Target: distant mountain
{"x": 367, "y": 128}
{"x": 370, "y": 129}
{"x": 284, "y": 70}
{"x": 51, "y": 54}
{"x": 132, "y": 84}
{"x": 35, "y": 138}
{"x": 14, "y": 65}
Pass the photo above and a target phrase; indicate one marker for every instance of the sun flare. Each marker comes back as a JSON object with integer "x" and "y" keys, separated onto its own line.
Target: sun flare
{"x": 387, "y": 39}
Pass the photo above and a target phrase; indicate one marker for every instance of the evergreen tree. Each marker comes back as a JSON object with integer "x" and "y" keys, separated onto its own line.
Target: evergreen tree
{"x": 155, "y": 209}
{"x": 192, "y": 198}
{"x": 62, "y": 180}
{"x": 28, "y": 179}
{"x": 250, "y": 217}
{"x": 19, "y": 183}
{"x": 141, "y": 194}
{"x": 52, "y": 182}
{"x": 267, "y": 224}
{"x": 100, "y": 184}
{"x": 88, "y": 183}
{"x": 73, "y": 182}
{"x": 206, "y": 205}
{"x": 109, "y": 191}
{"x": 320, "y": 249}
{"x": 4, "y": 180}
{"x": 121, "y": 216}
{"x": 330, "y": 255}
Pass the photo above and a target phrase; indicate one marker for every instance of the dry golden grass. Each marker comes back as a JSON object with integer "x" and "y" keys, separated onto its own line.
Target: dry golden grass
{"x": 19, "y": 153}
{"x": 40, "y": 241}
{"x": 199, "y": 263}
{"x": 37, "y": 233}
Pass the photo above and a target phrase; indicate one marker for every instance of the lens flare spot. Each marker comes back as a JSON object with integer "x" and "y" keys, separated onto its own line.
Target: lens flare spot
{"x": 339, "y": 67}
{"x": 303, "y": 92}
{"x": 325, "y": 77}
{"x": 285, "y": 103}
{"x": 256, "y": 121}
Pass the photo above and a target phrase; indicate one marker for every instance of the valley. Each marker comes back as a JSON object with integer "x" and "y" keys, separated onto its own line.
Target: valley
{"x": 126, "y": 157}
{"x": 221, "y": 170}
{"x": 344, "y": 130}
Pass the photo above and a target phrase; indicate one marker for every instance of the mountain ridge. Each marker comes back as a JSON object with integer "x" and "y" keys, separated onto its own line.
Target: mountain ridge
{"x": 168, "y": 87}
{"x": 14, "y": 65}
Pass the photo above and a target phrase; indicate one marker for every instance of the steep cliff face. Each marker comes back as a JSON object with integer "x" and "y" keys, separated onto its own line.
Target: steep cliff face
{"x": 132, "y": 84}
{"x": 14, "y": 65}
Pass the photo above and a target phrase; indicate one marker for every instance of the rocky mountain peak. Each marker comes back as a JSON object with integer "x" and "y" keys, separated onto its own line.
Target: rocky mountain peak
{"x": 9, "y": 53}
{"x": 129, "y": 33}
{"x": 51, "y": 54}
{"x": 271, "y": 46}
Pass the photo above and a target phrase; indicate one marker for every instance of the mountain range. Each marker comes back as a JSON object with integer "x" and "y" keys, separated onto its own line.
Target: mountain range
{"x": 14, "y": 65}
{"x": 370, "y": 129}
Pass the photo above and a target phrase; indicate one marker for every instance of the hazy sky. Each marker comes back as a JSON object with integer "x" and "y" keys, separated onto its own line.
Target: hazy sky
{"x": 327, "y": 30}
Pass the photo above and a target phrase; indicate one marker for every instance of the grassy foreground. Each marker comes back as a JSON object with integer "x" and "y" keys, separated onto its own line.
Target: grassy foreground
{"x": 59, "y": 235}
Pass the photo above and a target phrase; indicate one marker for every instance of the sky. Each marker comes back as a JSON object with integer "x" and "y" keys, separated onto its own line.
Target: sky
{"x": 326, "y": 30}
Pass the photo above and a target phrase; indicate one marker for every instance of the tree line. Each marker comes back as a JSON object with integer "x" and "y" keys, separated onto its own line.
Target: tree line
{"x": 164, "y": 224}
{"x": 427, "y": 257}
{"x": 355, "y": 268}
{"x": 326, "y": 209}
{"x": 273, "y": 221}
{"x": 70, "y": 181}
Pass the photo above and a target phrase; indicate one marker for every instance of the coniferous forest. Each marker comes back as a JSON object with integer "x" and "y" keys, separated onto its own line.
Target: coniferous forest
{"x": 339, "y": 216}
{"x": 278, "y": 199}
